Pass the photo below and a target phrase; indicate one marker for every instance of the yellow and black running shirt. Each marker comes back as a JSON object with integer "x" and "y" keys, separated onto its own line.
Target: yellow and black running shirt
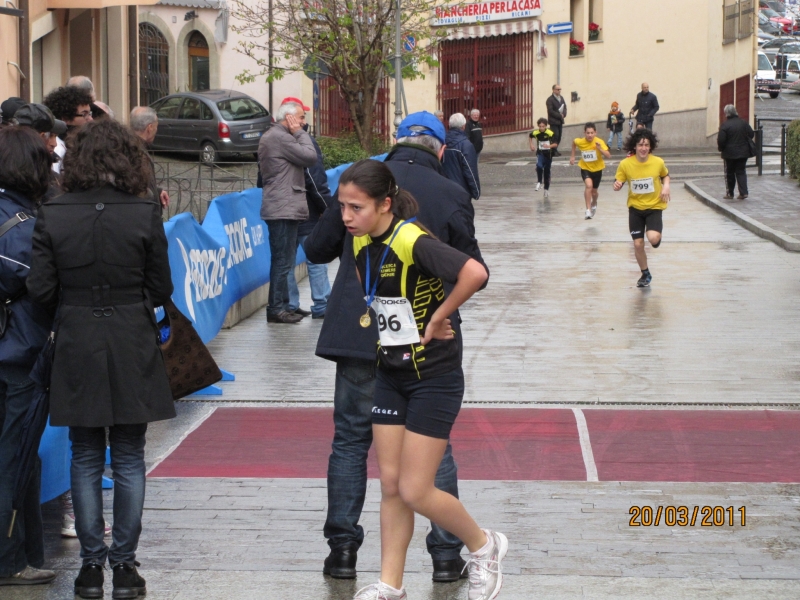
{"x": 416, "y": 266}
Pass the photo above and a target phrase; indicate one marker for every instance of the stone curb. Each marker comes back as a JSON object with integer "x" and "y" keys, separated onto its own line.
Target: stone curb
{"x": 768, "y": 233}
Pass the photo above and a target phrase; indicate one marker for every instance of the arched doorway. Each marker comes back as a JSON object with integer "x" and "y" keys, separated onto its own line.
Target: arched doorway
{"x": 153, "y": 64}
{"x": 199, "y": 79}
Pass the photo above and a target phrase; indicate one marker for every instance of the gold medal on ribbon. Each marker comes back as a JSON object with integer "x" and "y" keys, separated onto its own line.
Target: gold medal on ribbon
{"x": 365, "y": 320}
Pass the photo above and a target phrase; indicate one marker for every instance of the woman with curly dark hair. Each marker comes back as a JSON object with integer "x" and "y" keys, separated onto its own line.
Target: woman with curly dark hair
{"x": 100, "y": 256}
{"x": 24, "y": 179}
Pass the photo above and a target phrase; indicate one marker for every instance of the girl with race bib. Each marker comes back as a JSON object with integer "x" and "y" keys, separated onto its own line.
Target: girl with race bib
{"x": 544, "y": 142}
{"x": 420, "y": 384}
{"x": 648, "y": 194}
{"x": 592, "y": 150}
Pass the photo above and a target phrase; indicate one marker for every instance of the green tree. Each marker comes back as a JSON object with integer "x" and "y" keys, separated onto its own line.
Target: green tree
{"x": 354, "y": 38}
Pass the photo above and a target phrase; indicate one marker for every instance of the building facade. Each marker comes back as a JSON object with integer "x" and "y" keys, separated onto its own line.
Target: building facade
{"x": 695, "y": 55}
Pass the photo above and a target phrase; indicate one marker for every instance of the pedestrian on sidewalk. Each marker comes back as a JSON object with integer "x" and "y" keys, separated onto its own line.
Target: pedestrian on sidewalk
{"x": 648, "y": 195}
{"x": 735, "y": 142}
{"x": 614, "y": 125}
{"x": 445, "y": 208}
{"x": 24, "y": 180}
{"x": 100, "y": 258}
{"x": 318, "y": 198}
{"x": 284, "y": 152}
{"x": 542, "y": 141}
{"x": 592, "y": 149}
{"x": 646, "y": 107}
{"x": 420, "y": 382}
{"x": 474, "y": 130}
{"x": 460, "y": 160}
{"x": 556, "y": 114}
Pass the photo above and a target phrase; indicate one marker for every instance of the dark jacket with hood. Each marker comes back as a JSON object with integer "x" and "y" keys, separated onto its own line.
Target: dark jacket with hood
{"x": 461, "y": 162}
{"x": 441, "y": 210}
{"x": 474, "y": 132}
{"x": 647, "y": 107}
{"x": 733, "y": 139}
{"x": 29, "y": 324}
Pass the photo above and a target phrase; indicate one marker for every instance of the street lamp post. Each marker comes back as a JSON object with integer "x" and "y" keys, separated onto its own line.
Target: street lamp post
{"x": 398, "y": 71}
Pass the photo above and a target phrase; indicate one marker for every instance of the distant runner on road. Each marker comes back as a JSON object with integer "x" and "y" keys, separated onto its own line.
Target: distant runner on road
{"x": 648, "y": 194}
{"x": 593, "y": 150}
{"x": 543, "y": 141}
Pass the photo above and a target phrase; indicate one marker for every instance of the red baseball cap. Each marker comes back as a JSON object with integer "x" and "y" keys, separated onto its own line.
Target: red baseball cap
{"x": 296, "y": 101}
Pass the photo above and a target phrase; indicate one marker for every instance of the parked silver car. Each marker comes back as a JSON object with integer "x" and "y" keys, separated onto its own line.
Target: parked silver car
{"x": 213, "y": 123}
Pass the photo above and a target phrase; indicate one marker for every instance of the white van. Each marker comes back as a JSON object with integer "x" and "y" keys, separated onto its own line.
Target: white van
{"x": 766, "y": 79}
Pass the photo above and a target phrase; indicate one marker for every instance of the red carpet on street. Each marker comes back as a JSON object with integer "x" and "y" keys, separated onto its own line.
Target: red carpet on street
{"x": 515, "y": 445}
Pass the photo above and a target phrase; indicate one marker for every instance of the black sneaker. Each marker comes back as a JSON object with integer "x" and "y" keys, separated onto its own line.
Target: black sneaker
{"x": 302, "y": 313}
{"x": 89, "y": 583}
{"x": 284, "y": 317}
{"x": 449, "y": 570}
{"x": 644, "y": 280}
{"x": 341, "y": 562}
{"x": 127, "y": 582}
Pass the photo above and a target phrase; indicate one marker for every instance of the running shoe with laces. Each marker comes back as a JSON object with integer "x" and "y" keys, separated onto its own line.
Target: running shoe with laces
{"x": 594, "y": 209}
{"x": 588, "y": 214}
{"x": 546, "y": 194}
{"x": 644, "y": 280}
{"x": 380, "y": 591}
{"x": 485, "y": 574}
{"x": 538, "y": 186}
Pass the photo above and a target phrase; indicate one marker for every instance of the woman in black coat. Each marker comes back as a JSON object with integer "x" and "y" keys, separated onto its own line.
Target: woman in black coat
{"x": 100, "y": 255}
{"x": 734, "y": 142}
{"x": 24, "y": 179}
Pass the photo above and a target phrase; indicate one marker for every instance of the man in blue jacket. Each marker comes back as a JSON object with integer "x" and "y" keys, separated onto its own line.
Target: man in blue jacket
{"x": 445, "y": 209}
{"x": 460, "y": 159}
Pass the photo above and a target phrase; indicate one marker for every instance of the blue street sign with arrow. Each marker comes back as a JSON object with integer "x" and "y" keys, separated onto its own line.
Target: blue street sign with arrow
{"x": 556, "y": 28}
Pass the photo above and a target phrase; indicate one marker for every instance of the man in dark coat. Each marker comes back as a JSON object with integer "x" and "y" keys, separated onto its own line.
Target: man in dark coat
{"x": 733, "y": 141}
{"x": 460, "y": 159}
{"x": 475, "y": 131}
{"x": 646, "y": 107}
{"x": 415, "y": 163}
{"x": 556, "y": 113}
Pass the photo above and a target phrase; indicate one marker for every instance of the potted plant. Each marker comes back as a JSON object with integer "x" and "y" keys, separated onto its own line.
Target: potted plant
{"x": 575, "y": 47}
{"x": 594, "y": 31}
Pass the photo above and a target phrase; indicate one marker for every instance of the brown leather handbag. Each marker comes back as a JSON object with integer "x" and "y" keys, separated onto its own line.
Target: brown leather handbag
{"x": 190, "y": 366}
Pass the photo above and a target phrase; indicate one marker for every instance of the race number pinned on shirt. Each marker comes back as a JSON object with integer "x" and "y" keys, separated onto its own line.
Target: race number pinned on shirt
{"x": 589, "y": 155}
{"x": 643, "y": 186}
{"x": 544, "y": 145}
{"x": 396, "y": 324}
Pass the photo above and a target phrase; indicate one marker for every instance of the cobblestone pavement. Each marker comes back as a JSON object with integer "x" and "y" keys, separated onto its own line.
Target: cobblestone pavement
{"x": 560, "y": 323}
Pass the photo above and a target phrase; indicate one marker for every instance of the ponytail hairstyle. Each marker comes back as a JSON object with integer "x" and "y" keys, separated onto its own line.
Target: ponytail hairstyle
{"x": 376, "y": 180}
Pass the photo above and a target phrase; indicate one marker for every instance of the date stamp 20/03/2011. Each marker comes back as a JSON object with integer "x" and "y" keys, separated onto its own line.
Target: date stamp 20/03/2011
{"x": 684, "y": 516}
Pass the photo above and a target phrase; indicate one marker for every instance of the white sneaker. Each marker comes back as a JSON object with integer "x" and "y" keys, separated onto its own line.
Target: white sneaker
{"x": 589, "y": 214}
{"x": 594, "y": 209}
{"x": 68, "y": 526}
{"x": 538, "y": 186}
{"x": 546, "y": 194}
{"x": 485, "y": 574}
{"x": 380, "y": 591}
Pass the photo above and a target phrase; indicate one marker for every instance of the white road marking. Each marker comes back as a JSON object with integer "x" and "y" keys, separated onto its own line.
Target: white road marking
{"x": 518, "y": 163}
{"x": 196, "y": 424}
{"x": 586, "y": 445}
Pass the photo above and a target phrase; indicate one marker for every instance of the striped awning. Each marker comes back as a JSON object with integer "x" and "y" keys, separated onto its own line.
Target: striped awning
{"x": 493, "y": 29}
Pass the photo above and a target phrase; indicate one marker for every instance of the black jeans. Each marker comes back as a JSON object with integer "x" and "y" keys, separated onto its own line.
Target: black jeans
{"x": 556, "y": 129}
{"x": 736, "y": 173}
{"x": 283, "y": 250}
{"x": 26, "y": 544}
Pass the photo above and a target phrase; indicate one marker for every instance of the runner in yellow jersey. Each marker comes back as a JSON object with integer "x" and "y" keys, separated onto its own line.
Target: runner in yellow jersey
{"x": 592, "y": 150}
{"x": 648, "y": 194}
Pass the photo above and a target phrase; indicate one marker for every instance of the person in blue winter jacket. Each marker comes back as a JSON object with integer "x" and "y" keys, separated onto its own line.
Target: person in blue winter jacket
{"x": 460, "y": 159}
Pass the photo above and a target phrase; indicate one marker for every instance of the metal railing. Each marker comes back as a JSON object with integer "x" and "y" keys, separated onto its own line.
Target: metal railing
{"x": 760, "y": 145}
{"x": 192, "y": 183}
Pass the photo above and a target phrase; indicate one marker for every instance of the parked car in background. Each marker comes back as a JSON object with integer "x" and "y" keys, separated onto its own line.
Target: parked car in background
{"x": 785, "y": 23}
{"x": 780, "y": 46}
{"x": 212, "y": 123}
{"x": 790, "y": 76}
{"x": 766, "y": 79}
{"x": 767, "y": 26}
{"x": 778, "y": 7}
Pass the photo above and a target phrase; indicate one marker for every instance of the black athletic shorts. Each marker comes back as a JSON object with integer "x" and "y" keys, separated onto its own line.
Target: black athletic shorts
{"x": 425, "y": 406}
{"x": 595, "y": 176}
{"x": 641, "y": 220}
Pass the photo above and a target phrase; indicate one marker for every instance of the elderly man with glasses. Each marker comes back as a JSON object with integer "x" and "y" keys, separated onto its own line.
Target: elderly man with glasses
{"x": 556, "y": 113}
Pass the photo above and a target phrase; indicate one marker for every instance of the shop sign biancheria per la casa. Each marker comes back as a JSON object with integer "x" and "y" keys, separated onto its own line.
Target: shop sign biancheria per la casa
{"x": 483, "y": 12}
